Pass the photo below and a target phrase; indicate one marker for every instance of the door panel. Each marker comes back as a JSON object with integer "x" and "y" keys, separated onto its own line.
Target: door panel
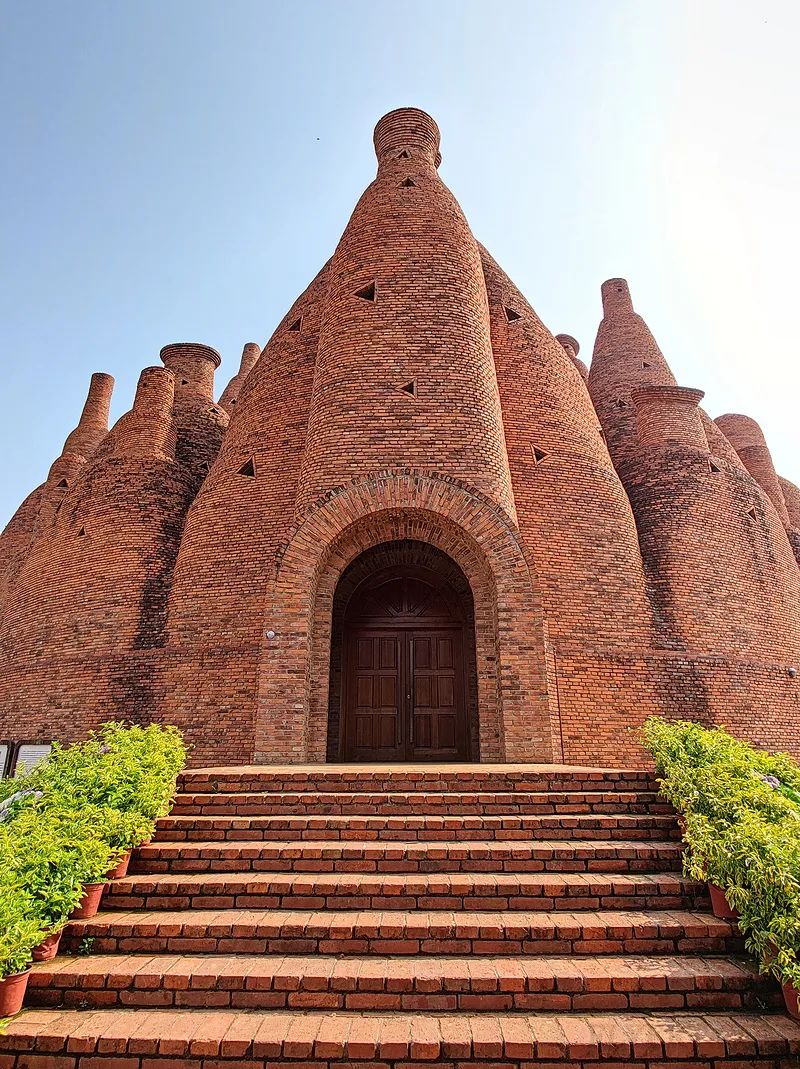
{"x": 438, "y": 729}
{"x": 372, "y": 693}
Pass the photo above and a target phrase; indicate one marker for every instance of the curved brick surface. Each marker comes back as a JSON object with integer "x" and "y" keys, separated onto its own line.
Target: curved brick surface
{"x": 90, "y": 595}
{"x": 407, "y": 328}
{"x": 625, "y": 555}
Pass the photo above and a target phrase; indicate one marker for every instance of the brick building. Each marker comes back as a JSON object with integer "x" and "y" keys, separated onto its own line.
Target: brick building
{"x": 414, "y": 527}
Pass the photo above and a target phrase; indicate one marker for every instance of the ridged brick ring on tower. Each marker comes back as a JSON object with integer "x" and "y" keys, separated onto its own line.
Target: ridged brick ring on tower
{"x": 405, "y": 129}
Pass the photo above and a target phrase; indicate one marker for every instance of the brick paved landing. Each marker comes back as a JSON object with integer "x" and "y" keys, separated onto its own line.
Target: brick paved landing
{"x": 395, "y": 916}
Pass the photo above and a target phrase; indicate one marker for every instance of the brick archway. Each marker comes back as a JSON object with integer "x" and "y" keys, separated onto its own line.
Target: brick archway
{"x": 510, "y": 638}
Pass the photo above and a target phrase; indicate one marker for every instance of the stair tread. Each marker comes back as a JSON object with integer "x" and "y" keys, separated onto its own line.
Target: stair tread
{"x": 442, "y": 796}
{"x": 402, "y": 820}
{"x": 404, "y": 882}
{"x": 470, "y": 846}
{"x": 399, "y": 1036}
{"x": 224, "y": 920}
{"x": 408, "y": 973}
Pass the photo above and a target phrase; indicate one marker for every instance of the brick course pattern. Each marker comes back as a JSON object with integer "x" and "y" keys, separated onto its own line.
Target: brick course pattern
{"x": 625, "y": 554}
{"x": 241, "y": 953}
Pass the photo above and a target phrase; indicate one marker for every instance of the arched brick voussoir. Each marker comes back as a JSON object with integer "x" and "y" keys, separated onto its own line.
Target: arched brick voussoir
{"x": 511, "y": 640}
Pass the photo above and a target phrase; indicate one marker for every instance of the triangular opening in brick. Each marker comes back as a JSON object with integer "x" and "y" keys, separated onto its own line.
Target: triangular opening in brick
{"x": 511, "y": 315}
{"x": 712, "y": 467}
{"x": 621, "y": 403}
{"x": 63, "y": 485}
{"x": 248, "y": 468}
{"x": 751, "y": 512}
{"x": 81, "y": 532}
{"x": 645, "y": 364}
{"x": 296, "y": 325}
{"x": 407, "y": 183}
{"x": 404, "y": 155}
{"x": 410, "y": 388}
{"x": 367, "y": 293}
{"x": 184, "y": 382}
{"x": 538, "y": 454}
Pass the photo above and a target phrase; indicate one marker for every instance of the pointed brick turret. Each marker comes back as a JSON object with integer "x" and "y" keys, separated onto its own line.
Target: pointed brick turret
{"x": 148, "y": 430}
{"x": 748, "y": 440}
{"x": 406, "y": 304}
{"x": 93, "y": 425}
{"x": 200, "y": 423}
{"x": 626, "y": 356}
{"x": 230, "y": 395}
{"x": 37, "y": 509}
{"x": 92, "y": 592}
{"x": 693, "y": 513}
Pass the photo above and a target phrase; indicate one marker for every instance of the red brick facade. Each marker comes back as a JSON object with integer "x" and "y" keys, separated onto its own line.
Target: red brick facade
{"x": 621, "y": 554}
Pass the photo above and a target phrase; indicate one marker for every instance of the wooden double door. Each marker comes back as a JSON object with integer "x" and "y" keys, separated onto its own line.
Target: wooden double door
{"x": 404, "y": 675}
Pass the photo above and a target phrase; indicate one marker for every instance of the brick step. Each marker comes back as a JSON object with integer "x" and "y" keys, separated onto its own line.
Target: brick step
{"x": 433, "y": 803}
{"x": 404, "y": 932}
{"x": 145, "y": 1039}
{"x": 535, "y": 984}
{"x": 405, "y": 778}
{"x": 419, "y": 828}
{"x": 340, "y": 891}
{"x": 380, "y": 856}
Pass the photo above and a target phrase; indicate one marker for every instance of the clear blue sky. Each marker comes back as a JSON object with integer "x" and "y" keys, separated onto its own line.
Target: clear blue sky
{"x": 179, "y": 169}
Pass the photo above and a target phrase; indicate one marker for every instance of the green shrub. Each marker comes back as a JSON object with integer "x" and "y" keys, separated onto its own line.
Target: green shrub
{"x": 68, "y": 821}
{"x": 741, "y": 810}
{"x": 48, "y": 856}
{"x": 123, "y": 767}
{"x": 20, "y": 931}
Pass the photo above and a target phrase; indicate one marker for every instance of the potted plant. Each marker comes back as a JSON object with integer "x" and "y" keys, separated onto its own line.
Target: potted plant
{"x": 19, "y": 934}
{"x": 741, "y": 812}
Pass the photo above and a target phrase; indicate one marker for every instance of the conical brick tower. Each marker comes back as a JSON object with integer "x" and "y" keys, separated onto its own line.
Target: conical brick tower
{"x": 416, "y": 528}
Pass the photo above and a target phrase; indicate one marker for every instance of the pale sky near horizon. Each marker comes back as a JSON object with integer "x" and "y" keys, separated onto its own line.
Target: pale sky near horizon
{"x": 179, "y": 170}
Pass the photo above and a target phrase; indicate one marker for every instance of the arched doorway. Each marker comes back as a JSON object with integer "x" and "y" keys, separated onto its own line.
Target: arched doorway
{"x": 403, "y": 685}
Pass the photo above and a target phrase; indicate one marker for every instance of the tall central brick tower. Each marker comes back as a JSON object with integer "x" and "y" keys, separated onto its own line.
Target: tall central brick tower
{"x": 414, "y": 527}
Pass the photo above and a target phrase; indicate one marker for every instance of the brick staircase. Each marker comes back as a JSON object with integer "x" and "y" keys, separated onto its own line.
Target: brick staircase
{"x": 355, "y": 917}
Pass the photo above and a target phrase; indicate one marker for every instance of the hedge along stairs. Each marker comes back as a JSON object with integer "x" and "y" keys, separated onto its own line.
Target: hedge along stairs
{"x": 449, "y": 915}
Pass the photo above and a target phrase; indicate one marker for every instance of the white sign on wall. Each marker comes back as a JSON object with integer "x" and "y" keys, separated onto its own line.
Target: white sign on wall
{"x": 30, "y": 754}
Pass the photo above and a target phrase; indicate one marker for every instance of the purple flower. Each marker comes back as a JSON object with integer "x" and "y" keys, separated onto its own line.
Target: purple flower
{"x": 771, "y": 781}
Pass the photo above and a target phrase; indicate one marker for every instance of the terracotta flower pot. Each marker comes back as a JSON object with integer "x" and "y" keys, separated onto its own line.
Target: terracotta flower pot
{"x": 719, "y": 904}
{"x": 12, "y": 993}
{"x": 791, "y": 997}
{"x": 48, "y": 948}
{"x": 121, "y": 868}
{"x": 90, "y": 903}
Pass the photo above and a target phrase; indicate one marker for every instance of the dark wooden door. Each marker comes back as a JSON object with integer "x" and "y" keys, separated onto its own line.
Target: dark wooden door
{"x": 437, "y": 727}
{"x": 403, "y": 690}
{"x": 374, "y": 696}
